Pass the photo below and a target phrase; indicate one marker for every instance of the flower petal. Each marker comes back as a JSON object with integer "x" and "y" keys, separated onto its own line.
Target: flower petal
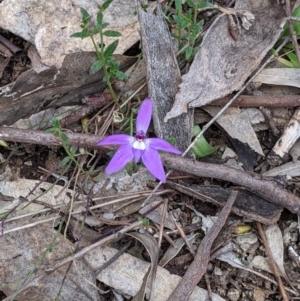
{"x": 116, "y": 140}
{"x": 152, "y": 161}
{"x": 160, "y": 144}
{"x": 137, "y": 154}
{"x": 144, "y": 116}
{"x": 123, "y": 155}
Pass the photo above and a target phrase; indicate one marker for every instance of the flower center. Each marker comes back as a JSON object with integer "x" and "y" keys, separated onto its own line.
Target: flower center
{"x": 139, "y": 142}
{"x": 140, "y": 136}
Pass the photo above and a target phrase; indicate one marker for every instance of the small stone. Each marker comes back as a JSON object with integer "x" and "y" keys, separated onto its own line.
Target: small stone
{"x": 229, "y": 154}
{"x": 218, "y": 271}
{"x": 233, "y": 294}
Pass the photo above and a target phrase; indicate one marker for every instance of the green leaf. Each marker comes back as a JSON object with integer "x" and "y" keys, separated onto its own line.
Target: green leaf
{"x": 204, "y": 5}
{"x": 98, "y": 65}
{"x": 288, "y": 46}
{"x": 121, "y": 75}
{"x": 171, "y": 140}
{"x": 145, "y": 221}
{"x": 106, "y": 4}
{"x": 55, "y": 123}
{"x": 64, "y": 138}
{"x": 106, "y": 78}
{"x": 285, "y": 62}
{"x": 82, "y": 34}
{"x": 202, "y": 148}
{"x": 3, "y": 143}
{"x": 112, "y": 33}
{"x": 65, "y": 161}
{"x": 178, "y": 7}
{"x": 286, "y": 30}
{"x": 144, "y": 6}
{"x": 191, "y": 3}
{"x": 86, "y": 17}
{"x": 182, "y": 22}
{"x": 104, "y": 25}
{"x": 130, "y": 168}
{"x": 293, "y": 58}
{"x": 109, "y": 50}
{"x": 73, "y": 150}
{"x": 110, "y": 154}
{"x": 52, "y": 131}
{"x": 188, "y": 52}
{"x": 99, "y": 19}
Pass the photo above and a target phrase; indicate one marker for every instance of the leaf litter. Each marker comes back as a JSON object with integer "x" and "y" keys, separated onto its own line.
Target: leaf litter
{"x": 117, "y": 199}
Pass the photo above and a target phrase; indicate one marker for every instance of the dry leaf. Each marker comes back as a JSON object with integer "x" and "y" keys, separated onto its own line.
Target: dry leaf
{"x": 151, "y": 246}
{"x": 172, "y": 251}
{"x": 156, "y": 214}
{"x": 290, "y": 169}
{"x": 237, "y": 125}
{"x": 46, "y": 192}
{"x": 279, "y": 76}
{"x": 275, "y": 241}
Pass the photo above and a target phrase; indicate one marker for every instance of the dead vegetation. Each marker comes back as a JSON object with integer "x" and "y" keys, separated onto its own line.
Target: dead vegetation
{"x": 225, "y": 224}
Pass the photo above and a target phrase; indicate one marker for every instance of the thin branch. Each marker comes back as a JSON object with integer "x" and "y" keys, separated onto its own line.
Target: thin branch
{"x": 272, "y": 262}
{"x": 263, "y": 186}
{"x": 246, "y": 101}
{"x": 99, "y": 243}
{"x": 11, "y": 46}
{"x": 182, "y": 234}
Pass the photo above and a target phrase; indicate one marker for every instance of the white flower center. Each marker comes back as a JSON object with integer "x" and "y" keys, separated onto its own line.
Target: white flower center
{"x": 139, "y": 145}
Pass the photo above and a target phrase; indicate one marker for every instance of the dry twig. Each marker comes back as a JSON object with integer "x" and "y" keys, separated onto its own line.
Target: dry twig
{"x": 266, "y": 187}
{"x": 263, "y": 186}
{"x": 272, "y": 262}
{"x": 181, "y": 232}
{"x": 245, "y": 101}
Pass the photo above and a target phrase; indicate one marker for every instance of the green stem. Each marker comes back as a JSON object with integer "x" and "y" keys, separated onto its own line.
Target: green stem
{"x": 70, "y": 155}
{"x": 195, "y": 14}
{"x": 131, "y": 123}
{"x": 179, "y": 36}
{"x": 101, "y": 57}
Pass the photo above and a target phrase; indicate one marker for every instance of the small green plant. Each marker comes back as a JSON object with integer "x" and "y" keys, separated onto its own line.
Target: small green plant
{"x": 188, "y": 28}
{"x": 202, "y": 148}
{"x": 105, "y": 59}
{"x": 145, "y": 221}
{"x": 287, "y": 56}
{"x": 57, "y": 131}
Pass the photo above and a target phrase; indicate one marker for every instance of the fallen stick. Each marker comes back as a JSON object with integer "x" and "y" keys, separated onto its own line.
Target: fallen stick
{"x": 263, "y": 186}
{"x": 11, "y": 46}
{"x": 245, "y": 101}
{"x": 42, "y": 138}
{"x": 198, "y": 267}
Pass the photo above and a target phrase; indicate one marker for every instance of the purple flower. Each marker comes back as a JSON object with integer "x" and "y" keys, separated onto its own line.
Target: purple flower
{"x": 138, "y": 146}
